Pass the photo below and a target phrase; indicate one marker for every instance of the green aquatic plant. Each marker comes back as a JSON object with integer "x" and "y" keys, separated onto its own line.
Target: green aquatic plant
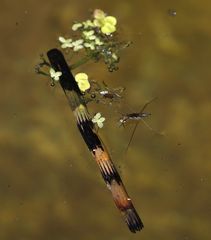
{"x": 96, "y": 39}
{"x": 93, "y": 39}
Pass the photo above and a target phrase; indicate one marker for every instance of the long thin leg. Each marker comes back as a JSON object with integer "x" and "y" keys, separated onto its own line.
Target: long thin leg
{"x": 134, "y": 129}
{"x": 147, "y": 103}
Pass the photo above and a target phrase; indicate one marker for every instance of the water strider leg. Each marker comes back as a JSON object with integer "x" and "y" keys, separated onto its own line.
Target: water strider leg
{"x": 131, "y": 137}
{"x": 146, "y": 104}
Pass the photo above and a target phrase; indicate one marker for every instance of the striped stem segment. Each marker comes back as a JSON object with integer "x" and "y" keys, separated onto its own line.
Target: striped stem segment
{"x": 93, "y": 142}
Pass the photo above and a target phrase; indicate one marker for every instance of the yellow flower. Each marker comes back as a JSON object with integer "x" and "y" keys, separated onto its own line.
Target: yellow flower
{"x": 107, "y": 24}
{"x": 82, "y": 81}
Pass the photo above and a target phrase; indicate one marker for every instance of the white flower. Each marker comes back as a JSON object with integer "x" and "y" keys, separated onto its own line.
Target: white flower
{"x": 55, "y": 75}
{"x": 76, "y": 26}
{"x": 78, "y": 42}
{"x": 98, "y": 120}
{"x": 77, "y": 45}
{"x": 88, "y": 23}
{"x": 65, "y": 42}
{"x": 98, "y": 42}
{"x": 89, "y": 35}
{"x": 89, "y": 45}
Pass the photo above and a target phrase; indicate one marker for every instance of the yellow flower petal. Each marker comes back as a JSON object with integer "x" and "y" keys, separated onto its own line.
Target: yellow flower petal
{"x": 110, "y": 19}
{"x": 83, "y": 86}
{"x": 108, "y": 28}
{"x": 81, "y": 77}
{"x": 98, "y": 23}
{"x": 83, "y": 82}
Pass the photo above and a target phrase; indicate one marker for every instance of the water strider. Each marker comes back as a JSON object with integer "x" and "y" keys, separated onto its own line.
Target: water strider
{"x": 136, "y": 117}
{"x": 101, "y": 93}
{"x": 133, "y": 117}
{"x": 111, "y": 93}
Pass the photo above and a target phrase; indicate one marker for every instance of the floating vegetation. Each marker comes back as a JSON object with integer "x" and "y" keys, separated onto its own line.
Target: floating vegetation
{"x": 94, "y": 39}
{"x": 85, "y": 126}
{"x": 98, "y": 119}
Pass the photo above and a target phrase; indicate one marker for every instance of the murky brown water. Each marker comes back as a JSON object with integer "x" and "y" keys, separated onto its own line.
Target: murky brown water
{"x": 50, "y": 187}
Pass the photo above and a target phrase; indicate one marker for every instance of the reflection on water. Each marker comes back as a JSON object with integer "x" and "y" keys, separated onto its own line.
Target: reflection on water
{"x": 50, "y": 186}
